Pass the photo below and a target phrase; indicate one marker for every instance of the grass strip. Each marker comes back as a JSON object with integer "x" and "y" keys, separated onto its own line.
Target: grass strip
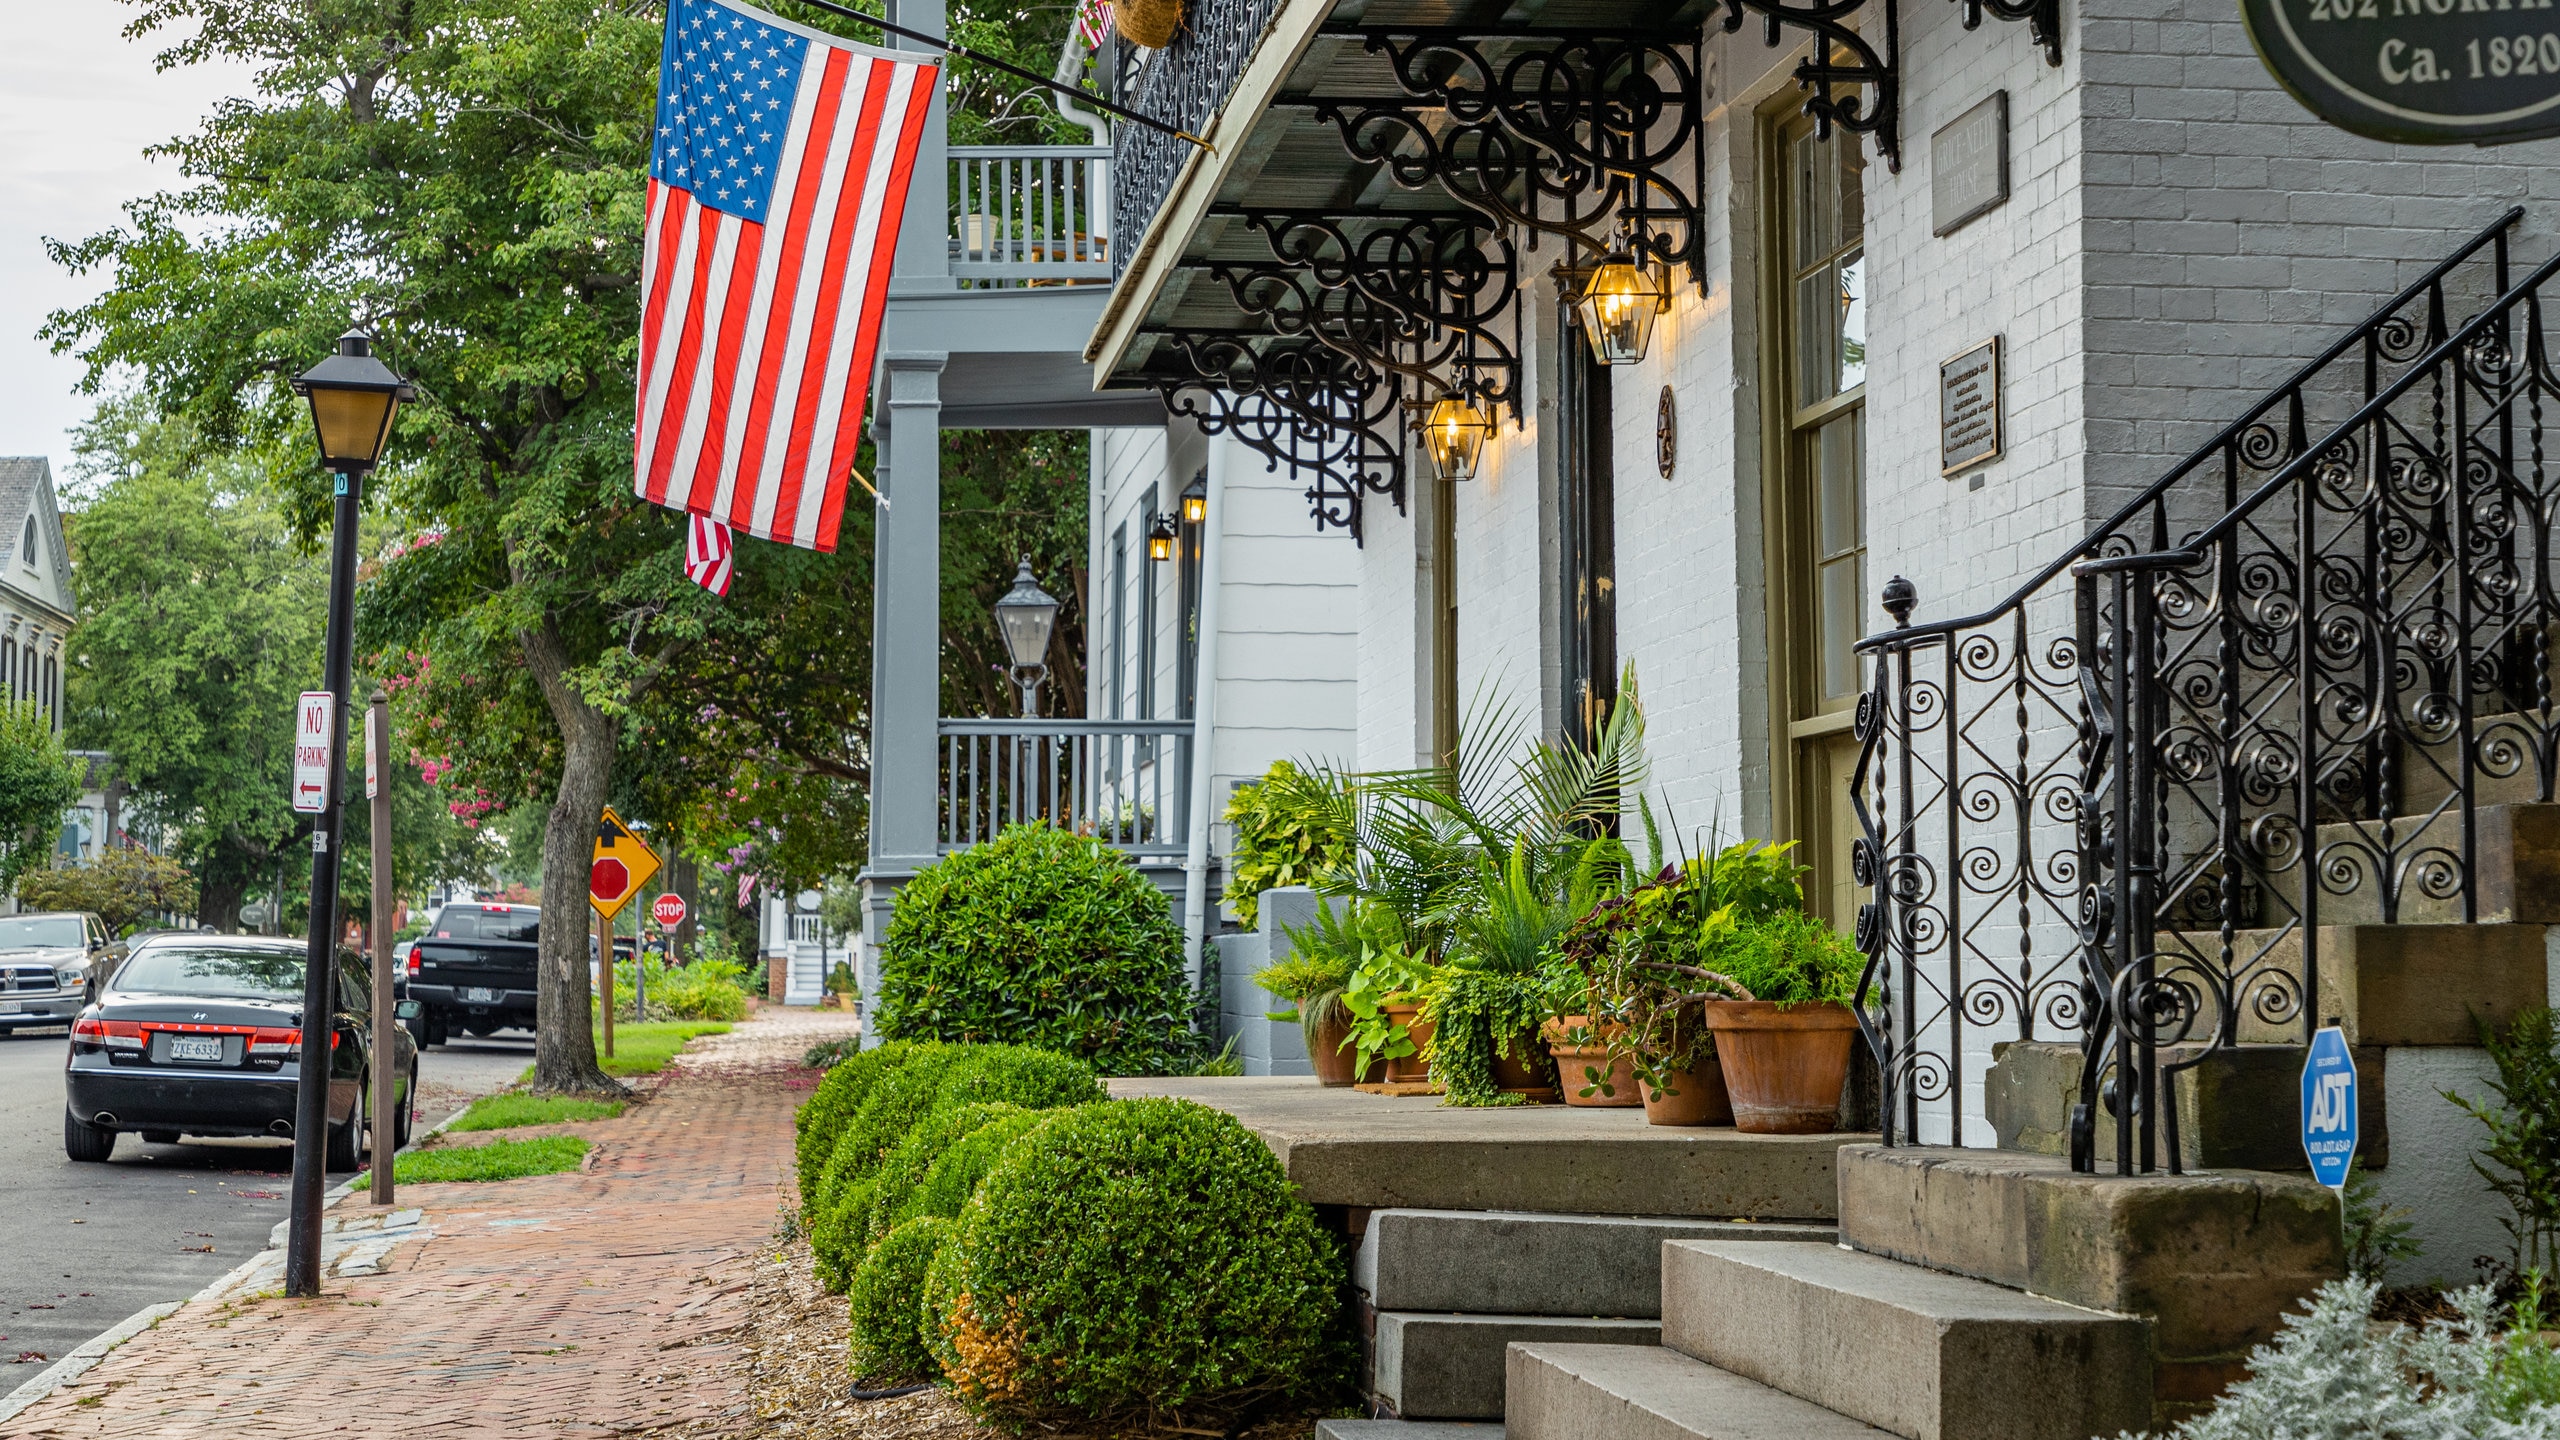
{"x": 516, "y": 1108}
{"x": 644, "y": 1048}
{"x": 497, "y": 1160}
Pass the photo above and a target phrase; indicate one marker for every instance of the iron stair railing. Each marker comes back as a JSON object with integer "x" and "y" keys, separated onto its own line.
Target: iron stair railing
{"x": 2113, "y": 807}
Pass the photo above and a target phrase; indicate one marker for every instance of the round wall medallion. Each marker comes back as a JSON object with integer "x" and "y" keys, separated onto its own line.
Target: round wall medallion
{"x": 1666, "y": 434}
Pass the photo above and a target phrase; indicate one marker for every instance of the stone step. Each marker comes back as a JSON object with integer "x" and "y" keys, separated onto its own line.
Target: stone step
{"x": 1921, "y": 1353}
{"x": 1629, "y": 1392}
{"x": 2237, "y": 1107}
{"x": 1449, "y": 1367}
{"x": 2424, "y": 773}
{"x": 2390, "y": 984}
{"x": 2213, "y": 1261}
{"x": 2516, "y": 850}
{"x": 1518, "y": 1262}
{"x": 1406, "y": 1430}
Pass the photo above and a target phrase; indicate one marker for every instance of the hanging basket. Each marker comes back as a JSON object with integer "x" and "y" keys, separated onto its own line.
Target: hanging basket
{"x": 1150, "y": 24}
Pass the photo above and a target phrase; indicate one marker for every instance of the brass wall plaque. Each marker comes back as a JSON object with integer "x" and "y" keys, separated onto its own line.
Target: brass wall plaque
{"x": 1969, "y": 408}
{"x": 1969, "y": 165}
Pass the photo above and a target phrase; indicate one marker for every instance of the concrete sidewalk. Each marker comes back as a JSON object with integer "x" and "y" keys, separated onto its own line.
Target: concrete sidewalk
{"x": 602, "y": 1302}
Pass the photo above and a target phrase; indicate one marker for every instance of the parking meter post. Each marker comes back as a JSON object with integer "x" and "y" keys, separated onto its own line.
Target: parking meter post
{"x": 604, "y": 967}
{"x": 387, "y": 1099}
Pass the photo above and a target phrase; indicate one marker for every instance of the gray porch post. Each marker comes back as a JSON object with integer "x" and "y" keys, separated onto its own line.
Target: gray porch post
{"x": 906, "y": 645}
{"x": 924, "y": 233}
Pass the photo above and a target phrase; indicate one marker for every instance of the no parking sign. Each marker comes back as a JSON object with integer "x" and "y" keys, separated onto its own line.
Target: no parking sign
{"x": 2329, "y": 1126}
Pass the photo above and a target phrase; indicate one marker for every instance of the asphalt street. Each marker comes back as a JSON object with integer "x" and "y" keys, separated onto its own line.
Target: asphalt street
{"x": 84, "y": 1246}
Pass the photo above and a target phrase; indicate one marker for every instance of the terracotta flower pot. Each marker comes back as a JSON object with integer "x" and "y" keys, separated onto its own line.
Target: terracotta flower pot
{"x": 1783, "y": 1067}
{"x": 1575, "y": 1062}
{"x": 1690, "y": 1097}
{"x": 1335, "y": 1063}
{"x": 1415, "y": 1068}
{"x": 1522, "y": 1072}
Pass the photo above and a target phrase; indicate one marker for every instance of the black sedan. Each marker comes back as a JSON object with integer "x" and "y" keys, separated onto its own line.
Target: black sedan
{"x": 202, "y": 1035}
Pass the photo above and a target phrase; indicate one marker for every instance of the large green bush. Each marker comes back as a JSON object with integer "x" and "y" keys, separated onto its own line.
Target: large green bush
{"x": 958, "y": 1169}
{"x": 888, "y": 1305}
{"x": 1290, "y": 827}
{"x": 937, "y": 1079}
{"x": 1043, "y": 938}
{"x": 1136, "y": 1260}
{"x": 906, "y": 1166}
{"x": 822, "y": 1119}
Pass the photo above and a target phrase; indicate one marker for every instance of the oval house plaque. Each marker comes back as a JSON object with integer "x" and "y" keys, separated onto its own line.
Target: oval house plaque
{"x": 2431, "y": 72}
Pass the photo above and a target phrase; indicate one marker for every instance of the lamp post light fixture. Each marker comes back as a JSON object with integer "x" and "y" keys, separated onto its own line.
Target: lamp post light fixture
{"x": 1453, "y": 432}
{"x": 1618, "y": 307}
{"x": 353, "y": 398}
{"x": 1160, "y": 538}
{"x": 1195, "y": 501}
{"x": 1025, "y": 615}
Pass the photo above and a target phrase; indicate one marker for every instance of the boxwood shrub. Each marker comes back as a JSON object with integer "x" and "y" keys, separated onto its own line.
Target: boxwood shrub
{"x": 958, "y": 1169}
{"x": 1136, "y": 1261}
{"x": 906, "y": 1166}
{"x": 822, "y": 1119}
{"x": 1040, "y": 937}
{"x": 888, "y": 1305}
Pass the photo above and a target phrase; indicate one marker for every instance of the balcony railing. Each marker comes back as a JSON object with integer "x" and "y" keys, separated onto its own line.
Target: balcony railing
{"x": 1124, "y": 782}
{"x": 1185, "y": 84}
{"x": 1030, "y": 215}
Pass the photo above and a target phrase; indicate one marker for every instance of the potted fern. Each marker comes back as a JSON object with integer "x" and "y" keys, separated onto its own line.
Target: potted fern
{"x": 1784, "y": 1046}
{"x": 1499, "y": 983}
{"x": 1315, "y": 977}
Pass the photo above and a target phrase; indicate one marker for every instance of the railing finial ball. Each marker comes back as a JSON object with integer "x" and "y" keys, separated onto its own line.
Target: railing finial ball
{"x": 1900, "y": 595}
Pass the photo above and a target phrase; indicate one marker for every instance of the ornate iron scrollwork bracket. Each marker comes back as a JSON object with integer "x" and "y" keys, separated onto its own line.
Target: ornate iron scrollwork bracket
{"x": 1295, "y": 402}
{"x": 1843, "y": 57}
{"x": 1576, "y": 136}
{"x": 2043, "y": 17}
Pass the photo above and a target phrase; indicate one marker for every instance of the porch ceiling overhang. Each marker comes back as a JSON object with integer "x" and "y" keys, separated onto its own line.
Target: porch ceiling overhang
{"x": 1012, "y": 359}
{"x": 1324, "y": 80}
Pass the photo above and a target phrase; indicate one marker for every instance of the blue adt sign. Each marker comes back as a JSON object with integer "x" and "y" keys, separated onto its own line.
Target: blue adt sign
{"x": 2329, "y": 1126}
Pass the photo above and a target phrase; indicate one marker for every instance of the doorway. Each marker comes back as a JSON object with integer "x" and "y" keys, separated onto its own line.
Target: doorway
{"x": 1588, "y": 532}
{"x": 1815, "y": 277}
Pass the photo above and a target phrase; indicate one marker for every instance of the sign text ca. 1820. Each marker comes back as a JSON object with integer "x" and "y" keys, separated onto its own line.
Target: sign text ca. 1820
{"x": 2431, "y": 72}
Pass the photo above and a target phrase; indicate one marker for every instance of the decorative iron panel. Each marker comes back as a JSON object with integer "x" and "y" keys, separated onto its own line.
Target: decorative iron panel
{"x": 1185, "y": 85}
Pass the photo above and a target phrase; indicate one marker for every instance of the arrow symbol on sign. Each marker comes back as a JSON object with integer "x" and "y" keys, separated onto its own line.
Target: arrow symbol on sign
{"x": 608, "y": 833}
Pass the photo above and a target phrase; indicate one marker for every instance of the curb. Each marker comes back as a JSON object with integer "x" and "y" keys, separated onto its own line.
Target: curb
{"x": 78, "y": 1363}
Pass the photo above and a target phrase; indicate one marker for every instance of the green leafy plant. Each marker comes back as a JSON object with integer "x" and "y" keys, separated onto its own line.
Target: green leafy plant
{"x": 1387, "y": 977}
{"x": 2520, "y": 1161}
{"x": 122, "y": 887}
{"x": 1137, "y": 1263}
{"x": 497, "y": 1160}
{"x": 1792, "y": 958}
{"x": 822, "y": 1119}
{"x": 963, "y": 1163}
{"x": 2378, "y": 1236}
{"x": 1288, "y": 828}
{"x": 914, "y": 1157}
{"x": 1496, "y": 987}
{"x": 1039, "y": 937}
{"x": 887, "y": 1297}
{"x": 1345, "y": 935}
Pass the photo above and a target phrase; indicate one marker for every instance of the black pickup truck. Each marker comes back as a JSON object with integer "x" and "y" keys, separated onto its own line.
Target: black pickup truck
{"x": 474, "y": 971}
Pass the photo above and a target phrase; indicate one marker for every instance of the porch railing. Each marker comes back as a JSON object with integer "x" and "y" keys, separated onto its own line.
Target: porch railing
{"x": 1124, "y": 782}
{"x": 1030, "y": 214}
{"x": 1185, "y": 84}
{"x": 2270, "y": 694}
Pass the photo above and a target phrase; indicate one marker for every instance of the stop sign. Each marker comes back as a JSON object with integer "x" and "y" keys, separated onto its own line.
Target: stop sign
{"x": 608, "y": 881}
{"x": 669, "y": 910}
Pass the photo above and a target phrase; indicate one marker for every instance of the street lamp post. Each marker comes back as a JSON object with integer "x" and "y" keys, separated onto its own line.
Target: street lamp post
{"x": 1025, "y": 616}
{"x": 353, "y": 397}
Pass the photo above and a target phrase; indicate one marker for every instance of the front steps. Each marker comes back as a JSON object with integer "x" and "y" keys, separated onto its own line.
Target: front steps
{"x": 1585, "y": 1392}
{"x": 2236, "y": 1107}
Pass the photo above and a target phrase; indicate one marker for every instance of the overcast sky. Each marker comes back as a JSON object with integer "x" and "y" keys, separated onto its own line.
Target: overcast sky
{"x": 78, "y": 102}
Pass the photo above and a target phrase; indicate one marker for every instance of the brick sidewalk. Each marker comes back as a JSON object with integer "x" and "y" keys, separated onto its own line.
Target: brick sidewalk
{"x": 605, "y": 1302}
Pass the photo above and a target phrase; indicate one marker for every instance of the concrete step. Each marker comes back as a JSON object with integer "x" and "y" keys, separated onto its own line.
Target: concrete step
{"x": 2391, "y": 984}
{"x": 2238, "y": 1108}
{"x": 2516, "y": 850}
{"x": 1449, "y": 1367}
{"x": 1517, "y": 1262}
{"x": 1406, "y": 1430}
{"x": 1920, "y": 1353}
{"x": 1625, "y": 1392}
{"x": 2424, "y": 773}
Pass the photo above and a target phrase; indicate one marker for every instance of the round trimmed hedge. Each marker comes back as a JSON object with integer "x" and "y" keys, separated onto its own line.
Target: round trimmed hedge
{"x": 958, "y": 1169}
{"x": 888, "y": 1305}
{"x": 821, "y": 1121}
{"x": 1040, "y": 937}
{"x": 1135, "y": 1260}
{"x": 907, "y": 1165}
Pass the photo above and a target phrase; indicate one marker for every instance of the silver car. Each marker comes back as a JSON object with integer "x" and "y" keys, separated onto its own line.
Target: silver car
{"x": 50, "y": 966}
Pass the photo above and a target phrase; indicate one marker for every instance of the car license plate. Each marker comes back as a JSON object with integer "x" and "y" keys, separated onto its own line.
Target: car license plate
{"x": 195, "y": 1047}
{"x": 479, "y": 995}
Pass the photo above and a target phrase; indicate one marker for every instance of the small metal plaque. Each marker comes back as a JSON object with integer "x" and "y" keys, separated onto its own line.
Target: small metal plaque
{"x": 2428, "y": 72}
{"x": 1969, "y": 165}
{"x": 1969, "y": 408}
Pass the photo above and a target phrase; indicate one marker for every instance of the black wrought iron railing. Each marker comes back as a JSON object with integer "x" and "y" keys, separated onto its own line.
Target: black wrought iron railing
{"x": 1185, "y": 85}
{"x": 2270, "y": 694}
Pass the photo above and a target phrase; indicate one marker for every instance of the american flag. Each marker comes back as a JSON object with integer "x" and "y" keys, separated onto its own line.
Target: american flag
{"x": 775, "y": 192}
{"x": 707, "y": 551}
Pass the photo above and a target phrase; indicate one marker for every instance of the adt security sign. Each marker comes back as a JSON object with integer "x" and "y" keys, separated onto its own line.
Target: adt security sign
{"x": 315, "y": 750}
{"x": 2329, "y": 1126}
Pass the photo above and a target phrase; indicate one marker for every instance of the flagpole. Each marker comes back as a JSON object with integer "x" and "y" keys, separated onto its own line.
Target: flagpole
{"x": 1083, "y": 96}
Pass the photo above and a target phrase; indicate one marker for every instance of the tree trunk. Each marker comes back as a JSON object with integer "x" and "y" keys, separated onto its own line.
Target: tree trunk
{"x": 218, "y": 905}
{"x": 564, "y": 1046}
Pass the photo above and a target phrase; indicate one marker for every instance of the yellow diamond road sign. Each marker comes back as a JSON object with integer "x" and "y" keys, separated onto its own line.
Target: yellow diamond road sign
{"x": 623, "y": 864}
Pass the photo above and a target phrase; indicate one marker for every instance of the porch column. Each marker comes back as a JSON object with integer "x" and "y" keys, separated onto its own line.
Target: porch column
{"x": 924, "y": 232}
{"x": 906, "y": 643}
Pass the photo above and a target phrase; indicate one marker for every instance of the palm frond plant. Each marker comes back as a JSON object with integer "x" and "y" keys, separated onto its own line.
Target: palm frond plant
{"x": 1499, "y": 982}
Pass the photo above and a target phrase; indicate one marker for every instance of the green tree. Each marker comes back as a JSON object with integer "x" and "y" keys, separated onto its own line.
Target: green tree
{"x": 199, "y": 624}
{"x": 123, "y": 886}
{"x": 37, "y": 783}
